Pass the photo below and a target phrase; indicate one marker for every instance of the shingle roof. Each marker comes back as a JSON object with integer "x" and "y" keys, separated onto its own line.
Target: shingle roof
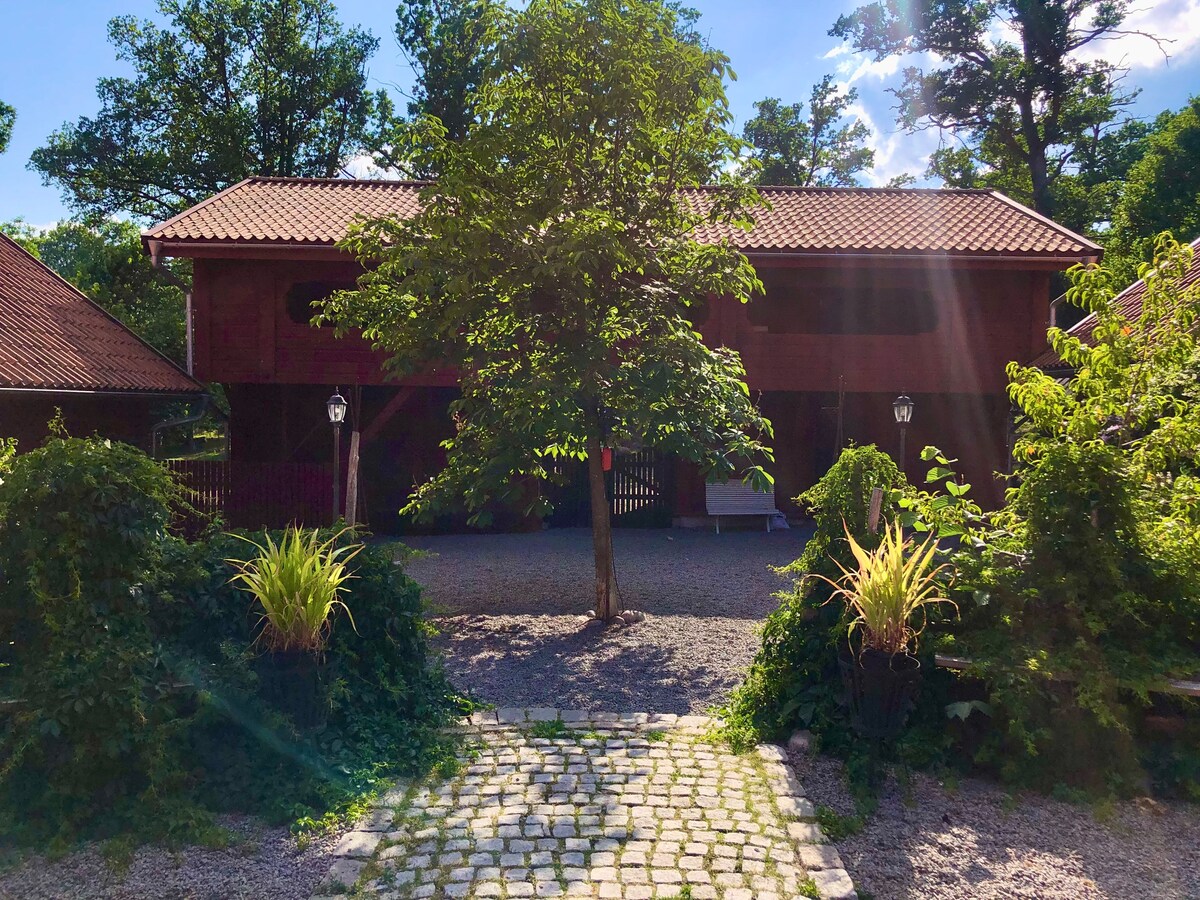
{"x": 53, "y": 337}
{"x": 1129, "y": 305}
{"x": 316, "y": 212}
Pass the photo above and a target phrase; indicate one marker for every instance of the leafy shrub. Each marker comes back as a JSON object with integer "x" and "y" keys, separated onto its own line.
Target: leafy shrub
{"x": 139, "y": 709}
{"x": 794, "y": 680}
{"x": 82, "y": 529}
{"x": 1088, "y": 581}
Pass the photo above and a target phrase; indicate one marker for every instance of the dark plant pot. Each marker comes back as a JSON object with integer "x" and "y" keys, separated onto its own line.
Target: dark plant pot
{"x": 293, "y": 684}
{"x": 880, "y": 689}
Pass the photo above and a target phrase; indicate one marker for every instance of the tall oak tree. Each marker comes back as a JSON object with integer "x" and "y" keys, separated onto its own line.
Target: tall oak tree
{"x": 223, "y": 90}
{"x": 1015, "y": 82}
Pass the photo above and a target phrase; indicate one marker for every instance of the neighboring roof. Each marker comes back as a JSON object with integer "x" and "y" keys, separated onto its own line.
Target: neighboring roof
{"x": 1129, "y": 304}
{"x": 52, "y": 337}
{"x": 892, "y": 221}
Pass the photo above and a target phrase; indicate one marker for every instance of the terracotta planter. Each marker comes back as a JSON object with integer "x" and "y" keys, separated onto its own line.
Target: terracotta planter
{"x": 880, "y": 690}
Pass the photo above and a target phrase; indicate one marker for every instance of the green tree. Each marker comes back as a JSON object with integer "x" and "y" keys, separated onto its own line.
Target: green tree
{"x": 1008, "y": 84}
{"x": 818, "y": 148}
{"x": 448, "y": 44}
{"x": 107, "y": 263}
{"x": 1162, "y": 191}
{"x": 1086, "y": 585}
{"x": 227, "y": 89}
{"x": 554, "y": 264}
{"x": 8, "y": 116}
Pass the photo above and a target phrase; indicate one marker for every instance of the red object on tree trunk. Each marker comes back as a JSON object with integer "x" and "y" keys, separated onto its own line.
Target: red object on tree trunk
{"x": 606, "y": 459}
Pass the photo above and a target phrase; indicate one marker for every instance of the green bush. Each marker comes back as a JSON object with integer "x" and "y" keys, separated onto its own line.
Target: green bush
{"x": 793, "y": 681}
{"x": 128, "y": 653}
{"x": 1087, "y": 583}
{"x": 82, "y": 526}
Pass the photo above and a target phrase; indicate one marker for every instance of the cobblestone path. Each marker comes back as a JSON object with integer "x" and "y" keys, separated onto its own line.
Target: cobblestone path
{"x": 577, "y": 804}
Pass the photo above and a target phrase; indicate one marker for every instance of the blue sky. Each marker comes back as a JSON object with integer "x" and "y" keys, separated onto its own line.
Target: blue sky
{"x": 52, "y": 52}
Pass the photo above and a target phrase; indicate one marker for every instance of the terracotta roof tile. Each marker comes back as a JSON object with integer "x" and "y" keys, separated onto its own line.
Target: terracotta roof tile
{"x": 1129, "y": 304}
{"x": 53, "y": 337}
{"x": 800, "y": 220}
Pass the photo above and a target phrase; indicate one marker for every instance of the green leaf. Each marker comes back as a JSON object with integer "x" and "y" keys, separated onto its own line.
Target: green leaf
{"x": 964, "y": 708}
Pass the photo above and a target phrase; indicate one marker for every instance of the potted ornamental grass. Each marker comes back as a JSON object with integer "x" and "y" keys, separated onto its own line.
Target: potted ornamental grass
{"x": 888, "y": 597}
{"x": 298, "y": 584}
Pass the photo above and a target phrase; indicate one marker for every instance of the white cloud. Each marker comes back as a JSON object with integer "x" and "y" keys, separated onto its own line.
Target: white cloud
{"x": 896, "y": 152}
{"x": 363, "y": 166}
{"x": 860, "y": 66}
{"x": 839, "y": 50}
{"x": 1175, "y": 22}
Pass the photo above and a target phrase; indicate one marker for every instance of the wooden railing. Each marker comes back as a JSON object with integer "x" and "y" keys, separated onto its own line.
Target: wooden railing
{"x": 256, "y": 495}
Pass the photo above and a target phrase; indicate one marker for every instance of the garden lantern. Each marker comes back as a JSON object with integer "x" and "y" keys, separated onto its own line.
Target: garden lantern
{"x": 902, "y": 408}
{"x": 336, "y": 407}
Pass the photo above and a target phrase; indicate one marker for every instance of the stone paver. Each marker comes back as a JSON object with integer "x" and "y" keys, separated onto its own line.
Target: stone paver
{"x": 551, "y": 803}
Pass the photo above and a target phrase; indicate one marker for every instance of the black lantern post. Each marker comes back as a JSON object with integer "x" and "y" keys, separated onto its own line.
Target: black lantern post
{"x": 902, "y": 407}
{"x": 336, "y": 407}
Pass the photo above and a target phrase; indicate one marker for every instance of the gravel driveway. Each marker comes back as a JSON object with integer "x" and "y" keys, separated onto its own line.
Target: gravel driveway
{"x": 977, "y": 842}
{"x": 510, "y": 605}
{"x": 261, "y": 863}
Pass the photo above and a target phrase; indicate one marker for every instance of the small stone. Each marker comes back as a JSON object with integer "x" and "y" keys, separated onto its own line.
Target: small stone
{"x": 800, "y": 741}
{"x": 834, "y": 884}
{"x": 805, "y": 833}
{"x": 796, "y": 808}
{"x": 345, "y": 872}
{"x": 815, "y": 857}
{"x": 771, "y": 753}
{"x": 358, "y": 844}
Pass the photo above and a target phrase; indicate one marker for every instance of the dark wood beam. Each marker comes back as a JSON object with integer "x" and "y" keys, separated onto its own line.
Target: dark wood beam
{"x": 385, "y": 415}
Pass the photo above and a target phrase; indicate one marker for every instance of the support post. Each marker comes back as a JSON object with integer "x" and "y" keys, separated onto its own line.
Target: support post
{"x": 352, "y": 480}
{"x": 337, "y": 473}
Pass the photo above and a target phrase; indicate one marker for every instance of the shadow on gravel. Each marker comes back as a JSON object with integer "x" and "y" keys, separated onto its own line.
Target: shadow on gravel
{"x": 510, "y": 607}
{"x": 571, "y": 665}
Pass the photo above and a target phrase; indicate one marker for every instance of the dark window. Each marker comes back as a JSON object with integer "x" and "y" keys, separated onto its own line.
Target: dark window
{"x": 799, "y": 303}
{"x": 303, "y": 296}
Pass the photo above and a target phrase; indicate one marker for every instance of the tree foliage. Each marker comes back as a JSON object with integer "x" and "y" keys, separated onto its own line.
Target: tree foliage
{"x": 554, "y": 266}
{"x": 819, "y": 148}
{"x": 1031, "y": 115}
{"x": 1086, "y": 585}
{"x": 107, "y": 263}
{"x": 8, "y": 116}
{"x": 225, "y": 89}
{"x": 1161, "y": 192}
{"x": 449, "y": 44}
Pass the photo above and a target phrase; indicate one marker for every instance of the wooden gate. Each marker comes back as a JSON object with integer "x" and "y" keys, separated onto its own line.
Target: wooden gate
{"x": 640, "y": 489}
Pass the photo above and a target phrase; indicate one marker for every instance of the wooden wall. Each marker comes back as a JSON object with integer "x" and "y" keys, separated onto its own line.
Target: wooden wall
{"x": 985, "y": 318}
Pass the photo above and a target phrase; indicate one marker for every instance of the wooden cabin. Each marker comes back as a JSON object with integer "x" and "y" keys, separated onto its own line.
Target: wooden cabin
{"x": 60, "y": 353}
{"x": 870, "y": 293}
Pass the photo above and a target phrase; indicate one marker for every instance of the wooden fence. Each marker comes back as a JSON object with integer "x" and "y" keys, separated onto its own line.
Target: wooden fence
{"x": 256, "y": 495}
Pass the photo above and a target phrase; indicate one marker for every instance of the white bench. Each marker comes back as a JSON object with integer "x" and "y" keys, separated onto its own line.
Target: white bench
{"x": 733, "y": 498}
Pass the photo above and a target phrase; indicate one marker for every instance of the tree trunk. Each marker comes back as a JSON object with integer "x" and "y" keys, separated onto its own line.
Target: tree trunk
{"x": 608, "y": 599}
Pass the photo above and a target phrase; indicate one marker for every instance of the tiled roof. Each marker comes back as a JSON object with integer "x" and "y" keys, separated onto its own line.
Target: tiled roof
{"x": 316, "y": 212}
{"x": 1129, "y": 304}
{"x": 53, "y": 337}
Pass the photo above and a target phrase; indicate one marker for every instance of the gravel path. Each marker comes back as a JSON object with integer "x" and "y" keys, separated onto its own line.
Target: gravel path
{"x": 977, "y": 843}
{"x": 509, "y": 607}
{"x": 260, "y": 863}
